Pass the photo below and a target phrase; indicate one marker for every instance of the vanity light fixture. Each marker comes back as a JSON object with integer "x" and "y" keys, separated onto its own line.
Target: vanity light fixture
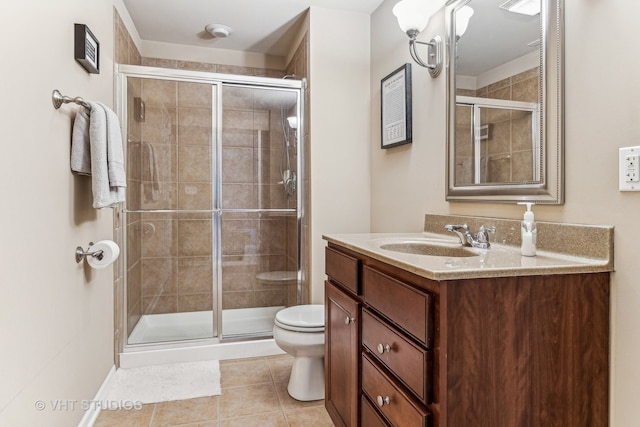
{"x": 462, "y": 20}
{"x": 524, "y": 7}
{"x": 413, "y": 17}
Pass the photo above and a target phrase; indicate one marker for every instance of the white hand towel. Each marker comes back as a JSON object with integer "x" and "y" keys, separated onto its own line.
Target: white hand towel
{"x": 80, "y": 151}
{"x": 115, "y": 154}
{"x": 106, "y": 144}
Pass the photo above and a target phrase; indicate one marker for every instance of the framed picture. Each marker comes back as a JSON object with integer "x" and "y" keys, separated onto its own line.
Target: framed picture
{"x": 395, "y": 93}
{"x": 86, "y": 49}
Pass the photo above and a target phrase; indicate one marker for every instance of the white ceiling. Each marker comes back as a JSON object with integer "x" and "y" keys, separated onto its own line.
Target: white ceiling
{"x": 264, "y": 26}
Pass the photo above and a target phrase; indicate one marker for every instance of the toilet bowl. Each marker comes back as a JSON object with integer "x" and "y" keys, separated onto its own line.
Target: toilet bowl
{"x": 299, "y": 330}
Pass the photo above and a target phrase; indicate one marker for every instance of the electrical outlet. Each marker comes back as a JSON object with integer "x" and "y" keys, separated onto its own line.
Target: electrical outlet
{"x": 629, "y": 169}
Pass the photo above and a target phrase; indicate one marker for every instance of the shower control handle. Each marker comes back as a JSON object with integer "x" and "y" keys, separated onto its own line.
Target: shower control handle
{"x": 348, "y": 320}
{"x": 384, "y": 348}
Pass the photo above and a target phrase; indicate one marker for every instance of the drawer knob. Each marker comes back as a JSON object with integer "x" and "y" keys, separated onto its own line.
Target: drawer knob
{"x": 383, "y": 400}
{"x": 348, "y": 320}
{"x": 384, "y": 348}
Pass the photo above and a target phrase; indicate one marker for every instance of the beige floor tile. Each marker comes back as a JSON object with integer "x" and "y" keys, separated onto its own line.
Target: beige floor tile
{"x": 315, "y": 416}
{"x": 248, "y": 400}
{"x": 129, "y": 418}
{"x": 185, "y": 411}
{"x": 269, "y": 419}
{"x": 280, "y": 367}
{"x": 288, "y": 402}
{"x": 203, "y": 424}
{"x": 244, "y": 372}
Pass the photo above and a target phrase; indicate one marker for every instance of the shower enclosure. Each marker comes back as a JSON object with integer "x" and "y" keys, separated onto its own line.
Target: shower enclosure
{"x": 212, "y": 220}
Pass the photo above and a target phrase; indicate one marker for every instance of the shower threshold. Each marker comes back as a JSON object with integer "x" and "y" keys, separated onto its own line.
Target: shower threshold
{"x": 154, "y": 328}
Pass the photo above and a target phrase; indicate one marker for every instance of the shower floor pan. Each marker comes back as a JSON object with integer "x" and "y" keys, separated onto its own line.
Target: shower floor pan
{"x": 154, "y": 328}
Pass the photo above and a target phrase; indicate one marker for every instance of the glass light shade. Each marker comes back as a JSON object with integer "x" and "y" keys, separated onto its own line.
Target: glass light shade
{"x": 412, "y": 14}
{"x": 462, "y": 19}
{"x": 525, "y": 7}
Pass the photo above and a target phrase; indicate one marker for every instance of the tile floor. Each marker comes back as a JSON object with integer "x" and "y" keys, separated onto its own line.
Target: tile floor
{"x": 254, "y": 393}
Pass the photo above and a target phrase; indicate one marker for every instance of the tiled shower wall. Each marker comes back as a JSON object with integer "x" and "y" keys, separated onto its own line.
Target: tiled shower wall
{"x": 506, "y": 154}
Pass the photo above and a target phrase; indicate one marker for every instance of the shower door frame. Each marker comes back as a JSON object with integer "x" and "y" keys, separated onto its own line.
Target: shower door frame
{"x": 217, "y": 81}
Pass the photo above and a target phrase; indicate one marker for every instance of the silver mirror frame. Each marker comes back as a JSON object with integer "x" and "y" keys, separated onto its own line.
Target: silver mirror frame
{"x": 550, "y": 188}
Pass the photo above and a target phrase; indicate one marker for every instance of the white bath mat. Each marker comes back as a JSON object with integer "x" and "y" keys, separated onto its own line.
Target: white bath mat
{"x": 163, "y": 383}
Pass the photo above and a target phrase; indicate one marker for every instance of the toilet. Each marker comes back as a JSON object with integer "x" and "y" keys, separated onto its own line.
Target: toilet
{"x": 299, "y": 330}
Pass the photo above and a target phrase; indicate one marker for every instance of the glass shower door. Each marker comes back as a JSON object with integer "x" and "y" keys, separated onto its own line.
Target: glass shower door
{"x": 169, "y": 212}
{"x": 259, "y": 217}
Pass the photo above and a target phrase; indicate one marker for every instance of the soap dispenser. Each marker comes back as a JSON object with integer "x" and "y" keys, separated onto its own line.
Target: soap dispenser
{"x": 528, "y": 232}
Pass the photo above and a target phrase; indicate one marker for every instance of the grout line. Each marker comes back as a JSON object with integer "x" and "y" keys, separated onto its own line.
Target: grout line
{"x": 153, "y": 414}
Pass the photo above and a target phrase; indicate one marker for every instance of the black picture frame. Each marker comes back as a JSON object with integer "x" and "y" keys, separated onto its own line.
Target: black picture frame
{"x": 86, "y": 49}
{"x": 395, "y": 108}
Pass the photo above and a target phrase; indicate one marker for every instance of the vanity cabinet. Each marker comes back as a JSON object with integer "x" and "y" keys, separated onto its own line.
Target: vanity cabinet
{"x": 342, "y": 339}
{"x": 405, "y": 350}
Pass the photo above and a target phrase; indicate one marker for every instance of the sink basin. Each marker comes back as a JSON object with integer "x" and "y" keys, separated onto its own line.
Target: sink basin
{"x": 422, "y": 248}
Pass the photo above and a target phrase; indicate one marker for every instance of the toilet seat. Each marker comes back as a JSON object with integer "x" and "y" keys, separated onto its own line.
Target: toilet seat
{"x": 301, "y": 318}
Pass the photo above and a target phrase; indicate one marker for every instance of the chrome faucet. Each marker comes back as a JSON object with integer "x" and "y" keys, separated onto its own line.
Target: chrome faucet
{"x": 480, "y": 240}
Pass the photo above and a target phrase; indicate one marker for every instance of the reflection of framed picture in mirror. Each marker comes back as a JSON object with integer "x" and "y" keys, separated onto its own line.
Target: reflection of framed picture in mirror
{"x": 395, "y": 100}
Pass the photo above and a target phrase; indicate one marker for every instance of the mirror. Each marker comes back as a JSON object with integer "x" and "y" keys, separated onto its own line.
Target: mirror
{"x": 505, "y": 101}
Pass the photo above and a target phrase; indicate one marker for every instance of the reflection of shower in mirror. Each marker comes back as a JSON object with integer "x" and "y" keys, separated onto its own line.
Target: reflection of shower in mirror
{"x": 287, "y": 174}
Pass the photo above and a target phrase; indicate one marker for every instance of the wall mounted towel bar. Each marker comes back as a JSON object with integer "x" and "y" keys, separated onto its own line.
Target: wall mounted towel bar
{"x": 58, "y": 99}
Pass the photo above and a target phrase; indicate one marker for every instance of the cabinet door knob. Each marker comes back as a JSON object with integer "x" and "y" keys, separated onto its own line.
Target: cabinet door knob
{"x": 348, "y": 320}
{"x": 383, "y": 400}
{"x": 384, "y": 348}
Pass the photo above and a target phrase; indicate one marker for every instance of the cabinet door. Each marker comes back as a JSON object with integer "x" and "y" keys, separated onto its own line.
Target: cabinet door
{"x": 342, "y": 356}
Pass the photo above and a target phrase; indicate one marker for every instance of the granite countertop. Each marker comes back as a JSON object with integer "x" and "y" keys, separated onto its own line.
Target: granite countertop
{"x": 499, "y": 261}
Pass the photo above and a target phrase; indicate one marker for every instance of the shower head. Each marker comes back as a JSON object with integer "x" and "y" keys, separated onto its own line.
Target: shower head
{"x": 293, "y": 122}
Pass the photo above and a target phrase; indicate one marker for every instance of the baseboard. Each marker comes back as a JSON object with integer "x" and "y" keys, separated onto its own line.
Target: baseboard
{"x": 92, "y": 413}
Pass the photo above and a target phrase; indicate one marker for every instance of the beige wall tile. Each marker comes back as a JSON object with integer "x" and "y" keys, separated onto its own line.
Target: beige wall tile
{"x": 194, "y": 163}
{"x": 194, "y": 195}
{"x": 195, "y": 302}
{"x": 194, "y": 95}
{"x": 237, "y": 165}
{"x": 160, "y": 124}
{"x": 243, "y": 299}
{"x": 162, "y": 241}
{"x": 195, "y": 275}
{"x": 195, "y": 124}
{"x": 195, "y": 238}
{"x": 160, "y": 304}
{"x": 159, "y": 276}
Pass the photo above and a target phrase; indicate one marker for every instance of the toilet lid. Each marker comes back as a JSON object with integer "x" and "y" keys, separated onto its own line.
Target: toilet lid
{"x": 302, "y": 318}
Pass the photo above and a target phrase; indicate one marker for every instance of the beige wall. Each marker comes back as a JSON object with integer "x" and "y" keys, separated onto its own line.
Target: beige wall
{"x": 601, "y": 116}
{"x": 56, "y": 316}
{"x": 339, "y": 81}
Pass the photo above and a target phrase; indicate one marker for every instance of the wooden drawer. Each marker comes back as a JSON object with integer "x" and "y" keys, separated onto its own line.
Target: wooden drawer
{"x": 369, "y": 416}
{"x": 343, "y": 269}
{"x": 398, "y": 407}
{"x": 405, "y": 306}
{"x": 412, "y": 364}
